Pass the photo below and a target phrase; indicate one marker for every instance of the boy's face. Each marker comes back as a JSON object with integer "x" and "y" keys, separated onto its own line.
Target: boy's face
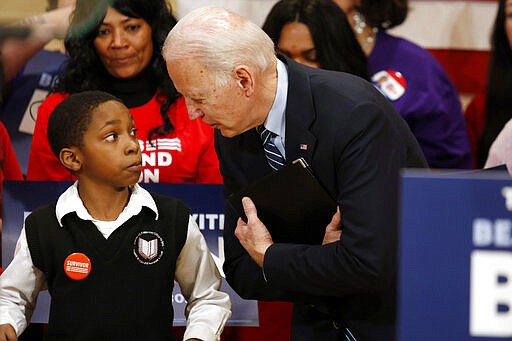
{"x": 110, "y": 153}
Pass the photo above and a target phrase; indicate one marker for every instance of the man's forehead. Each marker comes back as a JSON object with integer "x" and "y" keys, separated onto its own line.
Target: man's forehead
{"x": 188, "y": 68}
{"x": 192, "y": 76}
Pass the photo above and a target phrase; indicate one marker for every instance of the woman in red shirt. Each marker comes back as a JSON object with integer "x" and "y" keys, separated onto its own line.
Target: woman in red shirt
{"x": 116, "y": 49}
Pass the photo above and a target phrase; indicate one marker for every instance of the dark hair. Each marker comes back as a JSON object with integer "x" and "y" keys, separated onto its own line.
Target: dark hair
{"x": 498, "y": 105}
{"x": 52, "y": 4}
{"x": 384, "y": 13}
{"x": 71, "y": 118}
{"x": 85, "y": 71}
{"x": 336, "y": 46}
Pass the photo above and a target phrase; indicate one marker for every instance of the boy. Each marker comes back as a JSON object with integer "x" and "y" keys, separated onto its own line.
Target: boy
{"x": 108, "y": 251}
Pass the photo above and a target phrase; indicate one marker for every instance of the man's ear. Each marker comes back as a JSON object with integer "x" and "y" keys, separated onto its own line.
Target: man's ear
{"x": 69, "y": 157}
{"x": 244, "y": 79}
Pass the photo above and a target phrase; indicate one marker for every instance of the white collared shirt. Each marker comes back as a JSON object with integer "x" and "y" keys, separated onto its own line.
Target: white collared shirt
{"x": 275, "y": 121}
{"x": 207, "y": 310}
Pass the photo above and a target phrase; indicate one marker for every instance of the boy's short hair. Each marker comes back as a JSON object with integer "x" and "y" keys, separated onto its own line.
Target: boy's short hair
{"x": 70, "y": 118}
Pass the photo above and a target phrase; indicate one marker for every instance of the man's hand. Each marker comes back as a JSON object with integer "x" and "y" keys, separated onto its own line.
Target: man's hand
{"x": 253, "y": 235}
{"x": 333, "y": 229}
{"x": 7, "y": 333}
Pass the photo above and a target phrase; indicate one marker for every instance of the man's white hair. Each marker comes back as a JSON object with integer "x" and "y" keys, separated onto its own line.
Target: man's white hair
{"x": 221, "y": 40}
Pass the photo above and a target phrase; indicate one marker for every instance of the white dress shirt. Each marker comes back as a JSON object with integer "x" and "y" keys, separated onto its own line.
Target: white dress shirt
{"x": 207, "y": 308}
{"x": 275, "y": 121}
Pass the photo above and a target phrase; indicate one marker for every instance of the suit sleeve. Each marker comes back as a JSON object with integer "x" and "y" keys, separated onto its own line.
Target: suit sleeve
{"x": 42, "y": 163}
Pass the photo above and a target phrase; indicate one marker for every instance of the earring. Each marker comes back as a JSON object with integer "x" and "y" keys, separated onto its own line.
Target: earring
{"x": 359, "y": 28}
{"x": 359, "y": 23}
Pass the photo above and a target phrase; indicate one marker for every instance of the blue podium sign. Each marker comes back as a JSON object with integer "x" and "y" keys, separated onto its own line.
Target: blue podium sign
{"x": 455, "y": 280}
{"x": 207, "y": 208}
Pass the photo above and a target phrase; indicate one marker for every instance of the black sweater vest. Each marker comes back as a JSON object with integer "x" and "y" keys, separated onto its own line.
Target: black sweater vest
{"x": 128, "y": 292}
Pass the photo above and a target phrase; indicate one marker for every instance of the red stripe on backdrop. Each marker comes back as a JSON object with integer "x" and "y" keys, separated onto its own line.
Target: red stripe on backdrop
{"x": 460, "y": 40}
{"x": 467, "y": 69}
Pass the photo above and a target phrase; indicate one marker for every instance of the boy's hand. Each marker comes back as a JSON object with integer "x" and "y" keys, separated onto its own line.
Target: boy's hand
{"x": 7, "y": 333}
{"x": 333, "y": 230}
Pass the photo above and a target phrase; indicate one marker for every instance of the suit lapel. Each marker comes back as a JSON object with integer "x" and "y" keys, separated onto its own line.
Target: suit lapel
{"x": 256, "y": 161}
{"x": 300, "y": 114}
{"x": 248, "y": 154}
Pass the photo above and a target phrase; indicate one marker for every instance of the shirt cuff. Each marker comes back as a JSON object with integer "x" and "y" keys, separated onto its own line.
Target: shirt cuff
{"x": 201, "y": 332}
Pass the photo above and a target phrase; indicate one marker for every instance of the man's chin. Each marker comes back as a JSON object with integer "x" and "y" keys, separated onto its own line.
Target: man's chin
{"x": 232, "y": 132}
{"x": 225, "y": 132}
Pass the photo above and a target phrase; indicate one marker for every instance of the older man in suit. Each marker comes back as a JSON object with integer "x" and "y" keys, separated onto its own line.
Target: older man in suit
{"x": 352, "y": 138}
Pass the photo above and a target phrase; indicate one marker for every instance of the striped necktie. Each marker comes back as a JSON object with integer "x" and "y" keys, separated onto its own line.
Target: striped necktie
{"x": 274, "y": 157}
{"x": 347, "y": 333}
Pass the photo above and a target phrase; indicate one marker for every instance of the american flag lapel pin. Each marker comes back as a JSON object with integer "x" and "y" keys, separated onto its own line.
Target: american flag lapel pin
{"x": 303, "y": 146}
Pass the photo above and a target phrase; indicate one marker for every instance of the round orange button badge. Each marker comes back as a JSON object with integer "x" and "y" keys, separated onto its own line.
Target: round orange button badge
{"x": 77, "y": 266}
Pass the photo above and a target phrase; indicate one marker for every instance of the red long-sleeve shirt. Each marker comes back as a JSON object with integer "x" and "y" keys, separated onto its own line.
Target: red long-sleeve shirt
{"x": 9, "y": 166}
{"x": 186, "y": 155}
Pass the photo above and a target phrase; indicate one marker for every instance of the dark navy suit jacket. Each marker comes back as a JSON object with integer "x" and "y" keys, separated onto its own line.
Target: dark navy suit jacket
{"x": 356, "y": 144}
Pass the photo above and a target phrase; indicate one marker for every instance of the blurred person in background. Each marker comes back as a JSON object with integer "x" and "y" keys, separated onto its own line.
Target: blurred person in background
{"x": 115, "y": 46}
{"x": 33, "y": 62}
{"x": 500, "y": 152}
{"x": 412, "y": 79}
{"x": 315, "y": 33}
{"x": 487, "y": 114}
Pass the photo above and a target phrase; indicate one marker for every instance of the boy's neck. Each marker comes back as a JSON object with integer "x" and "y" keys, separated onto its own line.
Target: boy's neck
{"x": 104, "y": 204}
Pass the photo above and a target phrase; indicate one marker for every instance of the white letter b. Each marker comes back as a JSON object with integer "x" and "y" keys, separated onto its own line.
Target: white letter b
{"x": 491, "y": 294}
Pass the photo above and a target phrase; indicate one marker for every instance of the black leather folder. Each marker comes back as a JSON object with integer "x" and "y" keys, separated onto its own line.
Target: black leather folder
{"x": 291, "y": 202}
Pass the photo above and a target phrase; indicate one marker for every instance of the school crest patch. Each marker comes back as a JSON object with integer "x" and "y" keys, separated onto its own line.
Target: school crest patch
{"x": 148, "y": 247}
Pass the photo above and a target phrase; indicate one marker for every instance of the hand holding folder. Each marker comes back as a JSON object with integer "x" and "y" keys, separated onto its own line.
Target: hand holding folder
{"x": 292, "y": 204}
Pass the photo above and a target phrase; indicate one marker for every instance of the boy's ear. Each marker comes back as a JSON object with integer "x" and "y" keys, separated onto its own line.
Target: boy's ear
{"x": 69, "y": 157}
